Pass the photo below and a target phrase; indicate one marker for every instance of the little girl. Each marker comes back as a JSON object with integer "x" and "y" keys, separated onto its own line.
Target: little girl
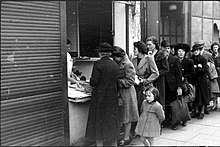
{"x": 152, "y": 116}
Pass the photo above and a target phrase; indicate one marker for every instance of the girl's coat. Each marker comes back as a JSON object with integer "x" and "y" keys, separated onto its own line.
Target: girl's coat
{"x": 151, "y": 118}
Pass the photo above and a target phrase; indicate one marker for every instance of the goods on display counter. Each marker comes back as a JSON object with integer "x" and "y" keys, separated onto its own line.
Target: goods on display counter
{"x": 79, "y": 94}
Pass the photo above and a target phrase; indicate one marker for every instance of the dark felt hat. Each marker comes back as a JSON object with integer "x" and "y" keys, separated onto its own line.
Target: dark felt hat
{"x": 182, "y": 46}
{"x": 104, "y": 47}
{"x": 196, "y": 47}
{"x": 165, "y": 43}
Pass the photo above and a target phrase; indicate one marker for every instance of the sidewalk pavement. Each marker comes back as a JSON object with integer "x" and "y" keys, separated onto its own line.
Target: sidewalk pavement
{"x": 198, "y": 132}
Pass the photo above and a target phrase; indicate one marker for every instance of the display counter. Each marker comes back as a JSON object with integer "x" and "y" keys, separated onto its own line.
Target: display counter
{"x": 78, "y": 114}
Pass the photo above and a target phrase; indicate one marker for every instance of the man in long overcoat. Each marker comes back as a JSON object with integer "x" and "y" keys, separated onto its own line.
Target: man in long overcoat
{"x": 173, "y": 81}
{"x": 103, "y": 119}
{"x": 208, "y": 56}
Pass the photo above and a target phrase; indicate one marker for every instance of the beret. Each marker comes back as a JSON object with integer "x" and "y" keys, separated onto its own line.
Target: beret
{"x": 104, "y": 47}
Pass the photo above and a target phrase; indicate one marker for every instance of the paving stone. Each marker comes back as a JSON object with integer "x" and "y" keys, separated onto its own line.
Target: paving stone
{"x": 216, "y": 132}
{"x": 205, "y": 140}
{"x": 168, "y": 142}
{"x": 199, "y": 128}
{"x": 205, "y": 132}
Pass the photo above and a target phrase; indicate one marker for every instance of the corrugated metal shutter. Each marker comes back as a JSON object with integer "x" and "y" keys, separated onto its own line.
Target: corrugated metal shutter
{"x": 31, "y": 86}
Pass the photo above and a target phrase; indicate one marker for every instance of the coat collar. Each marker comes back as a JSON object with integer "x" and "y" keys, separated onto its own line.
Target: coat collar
{"x": 142, "y": 62}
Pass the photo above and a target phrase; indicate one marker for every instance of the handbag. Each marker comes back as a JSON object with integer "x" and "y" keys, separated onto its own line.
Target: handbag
{"x": 189, "y": 92}
{"x": 180, "y": 111}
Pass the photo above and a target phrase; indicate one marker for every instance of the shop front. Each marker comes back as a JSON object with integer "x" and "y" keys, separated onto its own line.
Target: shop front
{"x": 88, "y": 24}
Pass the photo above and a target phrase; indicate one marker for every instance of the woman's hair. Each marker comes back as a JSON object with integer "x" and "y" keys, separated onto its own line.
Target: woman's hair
{"x": 213, "y": 44}
{"x": 141, "y": 46}
{"x": 118, "y": 52}
{"x": 155, "y": 92}
{"x": 154, "y": 40}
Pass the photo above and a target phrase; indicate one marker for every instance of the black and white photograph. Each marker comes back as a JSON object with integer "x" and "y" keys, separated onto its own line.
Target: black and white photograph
{"x": 110, "y": 73}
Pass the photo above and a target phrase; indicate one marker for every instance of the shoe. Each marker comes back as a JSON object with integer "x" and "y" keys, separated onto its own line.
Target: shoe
{"x": 195, "y": 115}
{"x": 214, "y": 108}
{"x": 165, "y": 124}
{"x": 201, "y": 116}
{"x": 174, "y": 127}
{"x": 184, "y": 123}
{"x": 124, "y": 142}
{"x": 206, "y": 111}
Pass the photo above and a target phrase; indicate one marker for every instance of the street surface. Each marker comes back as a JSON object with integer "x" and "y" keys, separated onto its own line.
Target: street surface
{"x": 198, "y": 132}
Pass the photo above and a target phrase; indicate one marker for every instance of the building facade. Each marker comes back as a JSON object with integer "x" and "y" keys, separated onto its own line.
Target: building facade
{"x": 35, "y": 109}
{"x": 181, "y": 21}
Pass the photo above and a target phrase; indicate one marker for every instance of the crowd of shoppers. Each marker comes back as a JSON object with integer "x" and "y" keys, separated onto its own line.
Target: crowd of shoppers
{"x": 147, "y": 84}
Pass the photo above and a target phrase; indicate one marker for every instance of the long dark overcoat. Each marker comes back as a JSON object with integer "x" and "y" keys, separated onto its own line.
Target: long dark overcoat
{"x": 202, "y": 91}
{"x": 173, "y": 78}
{"x": 188, "y": 70}
{"x": 217, "y": 65}
{"x": 163, "y": 67}
{"x": 103, "y": 118}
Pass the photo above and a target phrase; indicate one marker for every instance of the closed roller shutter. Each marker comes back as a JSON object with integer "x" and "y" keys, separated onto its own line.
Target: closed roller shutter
{"x": 31, "y": 86}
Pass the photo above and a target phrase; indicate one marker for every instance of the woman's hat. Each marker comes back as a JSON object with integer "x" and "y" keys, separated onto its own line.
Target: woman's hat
{"x": 196, "y": 47}
{"x": 182, "y": 46}
{"x": 104, "y": 47}
{"x": 199, "y": 44}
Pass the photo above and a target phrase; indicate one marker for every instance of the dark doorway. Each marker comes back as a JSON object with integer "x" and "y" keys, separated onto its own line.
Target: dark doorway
{"x": 171, "y": 24}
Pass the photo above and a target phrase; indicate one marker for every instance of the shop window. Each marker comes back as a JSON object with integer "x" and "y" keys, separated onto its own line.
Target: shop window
{"x": 94, "y": 25}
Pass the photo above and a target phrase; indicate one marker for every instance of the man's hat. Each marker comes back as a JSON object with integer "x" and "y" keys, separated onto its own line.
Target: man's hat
{"x": 199, "y": 44}
{"x": 165, "y": 43}
{"x": 104, "y": 47}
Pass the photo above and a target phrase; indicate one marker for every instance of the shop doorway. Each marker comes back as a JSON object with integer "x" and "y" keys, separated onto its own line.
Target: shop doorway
{"x": 171, "y": 22}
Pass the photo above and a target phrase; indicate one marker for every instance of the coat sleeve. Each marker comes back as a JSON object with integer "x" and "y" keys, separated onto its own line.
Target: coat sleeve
{"x": 165, "y": 66}
{"x": 96, "y": 74}
{"x": 178, "y": 72}
{"x": 205, "y": 66}
{"x": 129, "y": 79}
{"x": 190, "y": 73}
{"x": 160, "y": 113}
{"x": 154, "y": 71}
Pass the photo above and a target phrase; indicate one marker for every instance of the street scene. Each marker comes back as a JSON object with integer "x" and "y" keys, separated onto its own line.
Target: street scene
{"x": 110, "y": 73}
{"x": 196, "y": 133}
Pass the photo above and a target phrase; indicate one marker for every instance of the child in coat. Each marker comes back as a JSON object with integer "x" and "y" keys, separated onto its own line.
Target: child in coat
{"x": 149, "y": 123}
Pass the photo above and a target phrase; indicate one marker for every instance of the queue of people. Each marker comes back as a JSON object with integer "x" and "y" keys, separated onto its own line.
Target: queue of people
{"x": 135, "y": 93}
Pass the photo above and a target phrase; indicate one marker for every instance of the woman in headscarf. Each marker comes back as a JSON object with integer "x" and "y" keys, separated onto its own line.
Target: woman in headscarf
{"x": 126, "y": 80}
